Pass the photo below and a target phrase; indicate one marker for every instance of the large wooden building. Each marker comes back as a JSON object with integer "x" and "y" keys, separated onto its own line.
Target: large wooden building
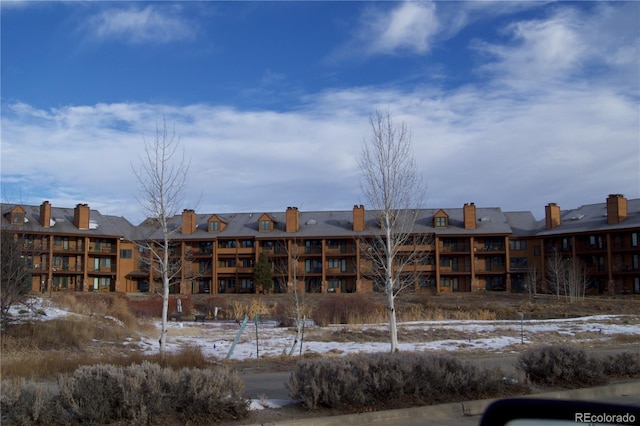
{"x": 469, "y": 249}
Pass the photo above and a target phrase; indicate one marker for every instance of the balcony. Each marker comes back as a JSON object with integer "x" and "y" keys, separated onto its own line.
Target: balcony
{"x": 35, "y": 246}
{"x": 104, "y": 269}
{"x": 489, "y": 248}
{"x": 104, "y": 250}
{"x": 454, "y": 248}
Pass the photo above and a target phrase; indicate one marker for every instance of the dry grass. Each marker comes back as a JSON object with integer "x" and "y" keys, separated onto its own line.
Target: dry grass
{"x": 248, "y": 308}
{"x": 39, "y": 364}
{"x": 45, "y": 349}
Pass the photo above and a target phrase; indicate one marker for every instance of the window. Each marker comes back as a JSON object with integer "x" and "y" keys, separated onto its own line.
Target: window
{"x": 517, "y": 244}
{"x": 313, "y": 266}
{"x": 441, "y": 222}
{"x": 247, "y": 284}
{"x": 334, "y": 263}
{"x": 265, "y": 225}
{"x": 17, "y": 218}
{"x": 518, "y": 262}
{"x": 313, "y": 246}
{"x": 101, "y": 262}
{"x": 214, "y": 226}
{"x": 101, "y": 282}
{"x": 449, "y": 281}
{"x": 227, "y": 244}
{"x": 126, "y": 254}
{"x": 268, "y": 245}
{"x": 536, "y": 250}
{"x": 635, "y": 261}
{"x": 634, "y": 239}
{"x": 335, "y": 284}
{"x": 247, "y": 243}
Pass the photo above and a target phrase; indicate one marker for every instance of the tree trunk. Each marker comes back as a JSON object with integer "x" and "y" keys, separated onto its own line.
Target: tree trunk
{"x": 165, "y": 296}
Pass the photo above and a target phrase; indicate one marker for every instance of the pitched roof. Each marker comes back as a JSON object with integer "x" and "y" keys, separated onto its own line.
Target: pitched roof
{"x": 592, "y": 218}
{"x": 62, "y": 220}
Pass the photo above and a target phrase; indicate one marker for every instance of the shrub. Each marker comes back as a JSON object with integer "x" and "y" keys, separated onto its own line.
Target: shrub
{"x": 624, "y": 364}
{"x": 347, "y": 309}
{"x": 400, "y": 379}
{"x": 212, "y": 395}
{"x": 26, "y": 403}
{"x": 564, "y": 366}
{"x": 147, "y": 393}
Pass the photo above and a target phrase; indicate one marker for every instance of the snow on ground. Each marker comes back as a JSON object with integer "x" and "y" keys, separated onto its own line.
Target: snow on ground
{"x": 215, "y": 338}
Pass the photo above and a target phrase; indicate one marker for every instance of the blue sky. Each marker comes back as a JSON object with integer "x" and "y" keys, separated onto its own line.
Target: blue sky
{"x": 510, "y": 104}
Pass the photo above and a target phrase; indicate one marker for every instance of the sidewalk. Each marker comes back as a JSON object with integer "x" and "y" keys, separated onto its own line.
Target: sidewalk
{"x": 467, "y": 412}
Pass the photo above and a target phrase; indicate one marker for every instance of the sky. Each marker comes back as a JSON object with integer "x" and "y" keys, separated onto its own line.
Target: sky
{"x": 509, "y": 104}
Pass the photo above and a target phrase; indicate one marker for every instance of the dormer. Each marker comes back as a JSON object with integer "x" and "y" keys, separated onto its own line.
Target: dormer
{"x": 440, "y": 219}
{"x": 265, "y": 223}
{"x": 17, "y": 216}
{"x": 215, "y": 224}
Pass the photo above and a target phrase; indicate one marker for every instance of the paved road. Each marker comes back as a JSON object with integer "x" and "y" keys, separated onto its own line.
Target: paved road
{"x": 273, "y": 386}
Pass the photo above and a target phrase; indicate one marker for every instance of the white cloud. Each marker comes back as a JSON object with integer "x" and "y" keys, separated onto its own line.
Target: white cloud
{"x": 409, "y": 27}
{"x": 155, "y": 24}
{"x": 568, "y": 44}
{"x": 542, "y": 130}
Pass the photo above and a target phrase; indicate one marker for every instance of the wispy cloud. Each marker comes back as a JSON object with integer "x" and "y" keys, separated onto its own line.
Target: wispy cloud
{"x": 566, "y": 45}
{"x": 155, "y": 24}
{"x": 537, "y": 128}
{"x": 407, "y": 28}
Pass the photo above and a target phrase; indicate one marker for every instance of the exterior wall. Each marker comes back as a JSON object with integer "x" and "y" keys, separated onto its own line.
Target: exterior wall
{"x": 464, "y": 261}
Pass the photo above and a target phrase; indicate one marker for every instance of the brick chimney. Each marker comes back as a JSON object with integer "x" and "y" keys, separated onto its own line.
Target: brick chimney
{"x": 552, "y": 215}
{"x": 358, "y": 218}
{"x": 469, "y": 212}
{"x": 81, "y": 216}
{"x": 293, "y": 219}
{"x": 616, "y": 209}
{"x": 45, "y": 214}
{"x": 189, "y": 222}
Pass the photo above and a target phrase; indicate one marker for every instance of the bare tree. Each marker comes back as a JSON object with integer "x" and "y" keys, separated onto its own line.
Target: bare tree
{"x": 394, "y": 189}
{"x": 15, "y": 279}
{"x": 555, "y": 272}
{"x": 567, "y": 276}
{"x": 531, "y": 282}
{"x": 297, "y": 309}
{"x": 162, "y": 176}
{"x": 577, "y": 280}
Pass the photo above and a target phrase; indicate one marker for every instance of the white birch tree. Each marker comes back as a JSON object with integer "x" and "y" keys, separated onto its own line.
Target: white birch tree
{"x": 162, "y": 175}
{"x": 395, "y": 190}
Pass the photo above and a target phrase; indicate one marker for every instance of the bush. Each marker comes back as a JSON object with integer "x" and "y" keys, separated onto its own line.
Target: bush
{"x": 26, "y": 403}
{"x": 624, "y": 364}
{"x": 347, "y": 309}
{"x": 400, "y": 379}
{"x": 564, "y": 366}
{"x": 138, "y": 394}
